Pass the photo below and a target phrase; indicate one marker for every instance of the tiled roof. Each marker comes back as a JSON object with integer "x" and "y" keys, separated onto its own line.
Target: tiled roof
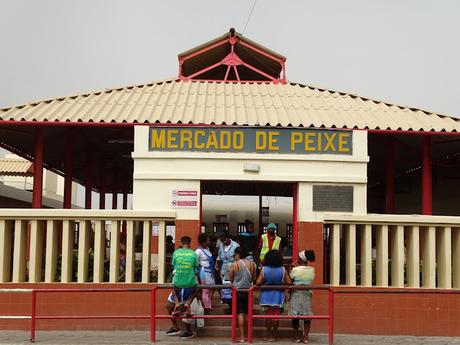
{"x": 15, "y": 167}
{"x": 253, "y": 104}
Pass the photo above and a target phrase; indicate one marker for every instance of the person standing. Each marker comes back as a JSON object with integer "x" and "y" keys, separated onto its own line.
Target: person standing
{"x": 205, "y": 270}
{"x": 269, "y": 241}
{"x": 272, "y": 301}
{"x": 225, "y": 259}
{"x": 249, "y": 240}
{"x": 300, "y": 301}
{"x": 242, "y": 275}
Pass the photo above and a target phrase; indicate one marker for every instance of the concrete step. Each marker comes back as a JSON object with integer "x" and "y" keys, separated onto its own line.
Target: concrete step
{"x": 258, "y": 332}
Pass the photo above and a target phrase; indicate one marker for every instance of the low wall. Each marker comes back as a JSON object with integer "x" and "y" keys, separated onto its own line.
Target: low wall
{"x": 387, "y": 313}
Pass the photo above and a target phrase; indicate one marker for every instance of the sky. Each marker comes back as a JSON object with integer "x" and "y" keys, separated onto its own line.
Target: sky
{"x": 405, "y": 52}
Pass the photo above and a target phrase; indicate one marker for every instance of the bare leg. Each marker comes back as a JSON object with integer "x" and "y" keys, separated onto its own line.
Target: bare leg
{"x": 306, "y": 330}
{"x": 268, "y": 326}
{"x": 295, "y": 327}
{"x": 242, "y": 327}
{"x": 275, "y": 324}
{"x": 170, "y": 309}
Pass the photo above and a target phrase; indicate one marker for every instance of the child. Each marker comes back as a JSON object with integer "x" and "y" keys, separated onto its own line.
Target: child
{"x": 300, "y": 303}
{"x": 272, "y": 301}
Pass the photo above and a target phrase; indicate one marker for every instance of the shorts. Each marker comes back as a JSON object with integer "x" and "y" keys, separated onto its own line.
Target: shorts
{"x": 242, "y": 302}
{"x": 273, "y": 310}
{"x": 183, "y": 294}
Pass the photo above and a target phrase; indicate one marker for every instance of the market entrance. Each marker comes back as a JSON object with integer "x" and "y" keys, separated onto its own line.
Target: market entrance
{"x": 231, "y": 205}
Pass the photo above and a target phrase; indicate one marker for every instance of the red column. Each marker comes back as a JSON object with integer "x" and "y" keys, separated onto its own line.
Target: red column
{"x": 390, "y": 186}
{"x": 125, "y": 200}
{"x": 427, "y": 183}
{"x": 68, "y": 172}
{"x": 295, "y": 246}
{"x": 38, "y": 168}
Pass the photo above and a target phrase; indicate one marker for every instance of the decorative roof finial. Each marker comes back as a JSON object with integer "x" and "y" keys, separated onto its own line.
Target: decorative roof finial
{"x": 232, "y": 32}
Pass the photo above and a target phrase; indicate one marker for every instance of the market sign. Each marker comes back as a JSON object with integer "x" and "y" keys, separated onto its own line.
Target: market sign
{"x": 251, "y": 140}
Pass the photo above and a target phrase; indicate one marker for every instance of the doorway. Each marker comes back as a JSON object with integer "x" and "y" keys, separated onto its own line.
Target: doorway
{"x": 227, "y": 206}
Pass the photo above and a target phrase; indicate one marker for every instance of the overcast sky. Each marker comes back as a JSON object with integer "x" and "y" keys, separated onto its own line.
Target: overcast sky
{"x": 406, "y": 52}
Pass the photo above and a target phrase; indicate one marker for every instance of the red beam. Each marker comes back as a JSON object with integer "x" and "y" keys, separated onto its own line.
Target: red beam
{"x": 37, "y": 194}
{"x": 390, "y": 196}
{"x": 88, "y": 186}
{"x": 68, "y": 171}
{"x": 427, "y": 183}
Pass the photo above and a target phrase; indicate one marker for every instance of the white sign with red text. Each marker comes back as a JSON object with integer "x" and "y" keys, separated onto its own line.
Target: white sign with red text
{"x": 185, "y": 198}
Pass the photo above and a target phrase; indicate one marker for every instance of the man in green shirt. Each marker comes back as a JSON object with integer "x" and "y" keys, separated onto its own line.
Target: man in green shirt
{"x": 185, "y": 263}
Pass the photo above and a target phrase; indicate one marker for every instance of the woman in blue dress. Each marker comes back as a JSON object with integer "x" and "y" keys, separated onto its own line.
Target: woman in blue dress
{"x": 272, "y": 301}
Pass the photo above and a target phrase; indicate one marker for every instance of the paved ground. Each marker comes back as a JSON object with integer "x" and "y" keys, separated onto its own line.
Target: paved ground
{"x": 136, "y": 338}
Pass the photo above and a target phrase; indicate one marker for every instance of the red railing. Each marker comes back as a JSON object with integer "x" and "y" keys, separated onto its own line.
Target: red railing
{"x": 329, "y": 316}
{"x": 153, "y": 316}
{"x": 34, "y": 317}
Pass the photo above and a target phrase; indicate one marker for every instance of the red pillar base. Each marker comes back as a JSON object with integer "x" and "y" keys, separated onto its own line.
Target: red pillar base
{"x": 310, "y": 236}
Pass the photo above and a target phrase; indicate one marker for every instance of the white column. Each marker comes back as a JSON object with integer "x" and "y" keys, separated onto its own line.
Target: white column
{"x": 413, "y": 257}
{"x": 382, "y": 256}
{"x": 36, "y": 251}
{"x": 99, "y": 251}
{"x": 114, "y": 272}
{"x": 397, "y": 256}
{"x": 429, "y": 257}
{"x": 162, "y": 253}
{"x": 19, "y": 252}
{"x": 130, "y": 251}
{"x": 335, "y": 255}
{"x": 5, "y": 250}
{"x": 456, "y": 257}
{"x": 51, "y": 250}
{"x": 146, "y": 238}
{"x": 366, "y": 255}
{"x": 83, "y": 248}
{"x": 444, "y": 260}
{"x": 350, "y": 255}
{"x": 67, "y": 251}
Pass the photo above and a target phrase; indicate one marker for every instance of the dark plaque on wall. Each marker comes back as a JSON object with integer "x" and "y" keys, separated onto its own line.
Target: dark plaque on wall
{"x": 333, "y": 198}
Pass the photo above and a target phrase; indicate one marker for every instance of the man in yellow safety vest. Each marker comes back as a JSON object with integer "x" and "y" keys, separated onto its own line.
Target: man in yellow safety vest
{"x": 269, "y": 241}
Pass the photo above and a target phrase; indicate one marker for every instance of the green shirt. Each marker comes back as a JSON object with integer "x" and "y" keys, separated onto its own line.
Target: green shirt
{"x": 185, "y": 262}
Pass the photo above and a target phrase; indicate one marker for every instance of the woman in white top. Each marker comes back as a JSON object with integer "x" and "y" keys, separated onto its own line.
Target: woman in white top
{"x": 206, "y": 270}
{"x": 300, "y": 301}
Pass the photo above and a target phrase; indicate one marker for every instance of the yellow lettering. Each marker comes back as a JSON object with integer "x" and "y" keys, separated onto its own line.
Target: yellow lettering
{"x": 261, "y": 140}
{"x": 186, "y": 137}
{"x": 172, "y": 139}
{"x": 273, "y": 141}
{"x": 238, "y": 140}
{"x": 225, "y": 140}
{"x": 330, "y": 141}
{"x": 212, "y": 140}
{"x": 198, "y": 144}
{"x": 158, "y": 139}
{"x": 319, "y": 141}
{"x": 343, "y": 140}
{"x": 296, "y": 138}
{"x": 309, "y": 141}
